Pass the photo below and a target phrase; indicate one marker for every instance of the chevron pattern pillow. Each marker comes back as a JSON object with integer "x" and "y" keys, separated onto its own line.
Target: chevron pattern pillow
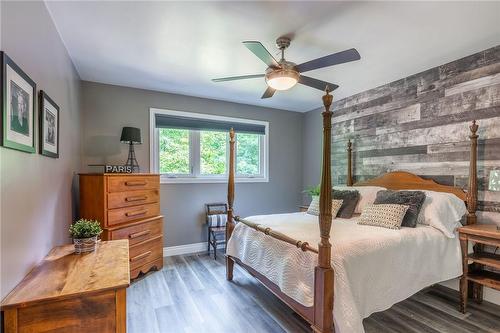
{"x": 383, "y": 215}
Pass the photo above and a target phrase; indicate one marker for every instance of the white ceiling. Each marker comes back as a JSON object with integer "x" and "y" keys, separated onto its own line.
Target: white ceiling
{"x": 178, "y": 46}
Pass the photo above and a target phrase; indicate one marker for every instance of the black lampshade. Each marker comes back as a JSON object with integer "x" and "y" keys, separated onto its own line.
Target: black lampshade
{"x": 131, "y": 134}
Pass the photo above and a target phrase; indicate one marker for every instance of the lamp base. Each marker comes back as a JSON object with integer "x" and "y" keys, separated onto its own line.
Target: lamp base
{"x": 131, "y": 160}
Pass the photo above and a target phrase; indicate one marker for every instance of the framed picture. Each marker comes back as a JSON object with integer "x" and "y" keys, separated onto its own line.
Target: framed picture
{"x": 18, "y": 96}
{"x": 49, "y": 126}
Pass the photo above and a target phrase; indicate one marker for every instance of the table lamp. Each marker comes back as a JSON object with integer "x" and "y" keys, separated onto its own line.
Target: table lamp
{"x": 132, "y": 136}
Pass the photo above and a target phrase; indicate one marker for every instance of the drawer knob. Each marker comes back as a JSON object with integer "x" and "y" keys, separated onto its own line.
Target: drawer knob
{"x": 140, "y": 256}
{"x": 136, "y": 213}
{"x": 139, "y": 234}
{"x": 135, "y": 183}
{"x": 136, "y": 198}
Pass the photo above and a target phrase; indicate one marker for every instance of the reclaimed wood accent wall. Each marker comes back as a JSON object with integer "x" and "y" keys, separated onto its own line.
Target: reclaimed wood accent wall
{"x": 421, "y": 124}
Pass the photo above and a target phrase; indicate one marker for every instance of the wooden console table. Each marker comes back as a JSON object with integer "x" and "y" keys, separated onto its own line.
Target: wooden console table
{"x": 74, "y": 293}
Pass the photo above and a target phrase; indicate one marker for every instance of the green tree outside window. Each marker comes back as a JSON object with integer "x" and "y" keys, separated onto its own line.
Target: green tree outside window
{"x": 213, "y": 152}
{"x": 247, "y": 154}
{"x": 174, "y": 151}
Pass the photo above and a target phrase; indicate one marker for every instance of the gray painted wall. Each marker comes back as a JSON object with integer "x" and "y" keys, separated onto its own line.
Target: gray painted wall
{"x": 36, "y": 196}
{"x": 106, "y": 109}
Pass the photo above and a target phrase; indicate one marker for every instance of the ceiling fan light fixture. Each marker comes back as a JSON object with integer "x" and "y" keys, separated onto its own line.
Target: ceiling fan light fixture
{"x": 282, "y": 79}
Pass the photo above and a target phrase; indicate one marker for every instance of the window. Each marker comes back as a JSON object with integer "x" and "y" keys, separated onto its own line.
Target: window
{"x": 189, "y": 147}
{"x": 213, "y": 153}
{"x": 174, "y": 152}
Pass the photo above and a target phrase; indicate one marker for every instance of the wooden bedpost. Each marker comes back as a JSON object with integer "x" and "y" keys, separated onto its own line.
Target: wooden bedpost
{"x": 230, "y": 199}
{"x": 472, "y": 190}
{"x": 323, "y": 273}
{"x": 349, "y": 163}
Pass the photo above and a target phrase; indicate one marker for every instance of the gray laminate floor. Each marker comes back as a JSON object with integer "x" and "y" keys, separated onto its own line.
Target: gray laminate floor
{"x": 191, "y": 294}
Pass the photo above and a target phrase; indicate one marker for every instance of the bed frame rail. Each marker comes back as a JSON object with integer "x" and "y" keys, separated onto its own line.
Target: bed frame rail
{"x": 304, "y": 246}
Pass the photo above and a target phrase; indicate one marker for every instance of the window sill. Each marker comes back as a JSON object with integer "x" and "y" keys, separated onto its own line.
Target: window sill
{"x": 166, "y": 180}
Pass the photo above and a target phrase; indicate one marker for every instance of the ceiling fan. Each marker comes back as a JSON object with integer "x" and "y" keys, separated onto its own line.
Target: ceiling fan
{"x": 283, "y": 74}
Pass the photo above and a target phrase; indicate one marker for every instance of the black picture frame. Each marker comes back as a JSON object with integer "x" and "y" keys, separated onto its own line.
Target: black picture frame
{"x": 15, "y": 133}
{"x": 49, "y": 119}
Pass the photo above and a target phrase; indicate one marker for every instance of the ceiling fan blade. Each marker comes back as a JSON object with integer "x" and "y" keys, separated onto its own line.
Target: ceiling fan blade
{"x": 315, "y": 83}
{"x": 268, "y": 93}
{"x": 241, "y": 77}
{"x": 329, "y": 60}
{"x": 260, "y": 51}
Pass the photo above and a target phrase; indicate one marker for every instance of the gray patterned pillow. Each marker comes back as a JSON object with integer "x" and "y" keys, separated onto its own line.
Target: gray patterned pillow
{"x": 349, "y": 202}
{"x": 383, "y": 215}
{"x": 413, "y": 199}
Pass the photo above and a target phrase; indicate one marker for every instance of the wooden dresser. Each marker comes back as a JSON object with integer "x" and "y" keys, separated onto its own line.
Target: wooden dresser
{"x": 70, "y": 292}
{"x": 128, "y": 207}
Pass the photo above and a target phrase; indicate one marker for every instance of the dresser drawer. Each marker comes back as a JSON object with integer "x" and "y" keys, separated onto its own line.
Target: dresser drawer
{"x": 156, "y": 264}
{"x": 122, "y": 215}
{"x": 132, "y": 183}
{"x": 132, "y": 198}
{"x": 145, "y": 252}
{"x": 140, "y": 232}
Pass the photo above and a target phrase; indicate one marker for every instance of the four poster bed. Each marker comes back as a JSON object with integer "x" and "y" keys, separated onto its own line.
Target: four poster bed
{"x": 301, "y": 274}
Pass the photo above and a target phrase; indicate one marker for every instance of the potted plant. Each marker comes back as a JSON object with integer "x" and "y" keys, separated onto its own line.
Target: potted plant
{"x": 313, "y": 191}
{"x": 85, "y": 233}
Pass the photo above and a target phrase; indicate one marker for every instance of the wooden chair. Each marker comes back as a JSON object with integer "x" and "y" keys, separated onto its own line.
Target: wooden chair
{"x": 216, "y": 219}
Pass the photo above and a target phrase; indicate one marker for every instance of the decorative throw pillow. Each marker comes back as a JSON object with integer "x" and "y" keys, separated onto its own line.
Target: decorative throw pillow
{"x": 413, "y": 199}
{"x": 314, "y": 206}
{"x": 383, "y": 215}
{"x": 367, "y": 195}
{"x": 336, "y": 204}
{"x": 350, "y": 200}
{"x": 443, "y": 211}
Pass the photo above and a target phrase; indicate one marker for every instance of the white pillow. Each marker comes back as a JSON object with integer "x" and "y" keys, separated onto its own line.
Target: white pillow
{"x": 367, "y": 195}
{"x": 442, "y": 211}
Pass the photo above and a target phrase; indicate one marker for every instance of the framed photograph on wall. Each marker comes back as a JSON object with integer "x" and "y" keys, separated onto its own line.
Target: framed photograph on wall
{"x": 49, "y": 126}
{"x": 18, "y": 96}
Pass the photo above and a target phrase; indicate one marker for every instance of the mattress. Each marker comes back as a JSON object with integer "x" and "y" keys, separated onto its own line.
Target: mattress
{"x": 374, "y": 267}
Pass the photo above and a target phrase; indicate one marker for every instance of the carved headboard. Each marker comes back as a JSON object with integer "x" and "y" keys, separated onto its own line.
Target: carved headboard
{"x": 402, "y": 180}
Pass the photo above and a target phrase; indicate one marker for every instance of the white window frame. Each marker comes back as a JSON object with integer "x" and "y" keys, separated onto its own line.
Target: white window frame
{"x": 195, "y": 177}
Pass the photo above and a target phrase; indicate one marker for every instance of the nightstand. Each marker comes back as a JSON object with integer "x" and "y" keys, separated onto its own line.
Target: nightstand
{"x": 479, "y": 273}
{"x": 303, "y": 208}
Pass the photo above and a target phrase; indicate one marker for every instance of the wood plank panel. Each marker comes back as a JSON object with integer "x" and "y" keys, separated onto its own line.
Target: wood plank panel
{"x": 420, "y": 124}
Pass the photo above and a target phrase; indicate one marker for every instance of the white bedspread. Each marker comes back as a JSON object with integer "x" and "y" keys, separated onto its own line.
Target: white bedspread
{"x": 374, "y": 267}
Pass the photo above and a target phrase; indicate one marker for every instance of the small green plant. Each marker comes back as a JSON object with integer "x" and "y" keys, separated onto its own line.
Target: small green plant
{"x": 84, "y": 228}
{"x": 312, "y": 190}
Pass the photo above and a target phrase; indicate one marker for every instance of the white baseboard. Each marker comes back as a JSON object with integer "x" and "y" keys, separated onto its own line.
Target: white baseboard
{"x": 184, "y": 249}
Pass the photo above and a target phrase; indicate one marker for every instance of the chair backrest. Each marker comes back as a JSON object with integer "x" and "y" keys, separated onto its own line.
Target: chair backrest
{"x": 216, "y": 214}
{"x": 216, "y": 208}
